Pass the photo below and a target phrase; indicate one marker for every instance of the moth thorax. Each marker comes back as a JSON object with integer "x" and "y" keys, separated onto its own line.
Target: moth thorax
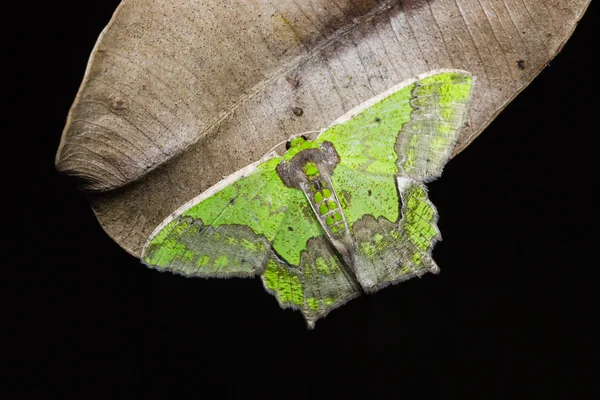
{"x": 322, "y": 196}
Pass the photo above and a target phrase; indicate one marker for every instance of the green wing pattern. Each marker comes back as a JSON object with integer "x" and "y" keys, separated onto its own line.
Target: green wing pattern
{"x": 232, "y": 232}
{"x": 315, "y": 282}
{"x": 386, "y": 151}
{"x": 255, "y": 225}
{"x": 316, "y": 287}
{"x": 252, "y": 223}
{"x": 439, "y": 104}
{"x": 412, "y": 131}
{"x": 220, "y": 235}
{"x": 389, "y": 252}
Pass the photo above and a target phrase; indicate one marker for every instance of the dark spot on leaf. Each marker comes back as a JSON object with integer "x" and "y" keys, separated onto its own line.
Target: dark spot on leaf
{"x": 521, "y": 64}
{"x": 288, "y": 145}
{"x": 377, "y": 120}
{"x": 290, "y": 229}
{"x": 232, "y": 201}
{"x": 369, "y": 192}
{"x": 303, "y": 137}
{"x": 293, "y": 81}
{"x": 318, "y": 185}
{"x": 297, "y": 111}
{"x": 118, "y": 103}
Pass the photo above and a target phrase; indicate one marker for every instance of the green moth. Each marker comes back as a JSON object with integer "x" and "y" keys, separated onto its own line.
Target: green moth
{"x": 332, "y": 217}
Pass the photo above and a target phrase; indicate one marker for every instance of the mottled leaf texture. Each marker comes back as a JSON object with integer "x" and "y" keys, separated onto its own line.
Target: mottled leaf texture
{"x": 180, "y": 93}
{"x": 334, "y": 217}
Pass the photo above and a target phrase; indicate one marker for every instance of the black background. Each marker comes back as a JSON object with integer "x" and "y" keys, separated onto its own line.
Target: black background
{"x": 511, "y": 313}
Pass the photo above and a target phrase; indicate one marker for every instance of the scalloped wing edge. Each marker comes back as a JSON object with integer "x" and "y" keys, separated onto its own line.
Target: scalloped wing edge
{"x": 222, "y": 184}
{"x": 374, "y": 100}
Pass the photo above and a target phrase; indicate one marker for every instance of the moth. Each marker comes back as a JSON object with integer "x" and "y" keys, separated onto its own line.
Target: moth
{"x": 327, "y": 218}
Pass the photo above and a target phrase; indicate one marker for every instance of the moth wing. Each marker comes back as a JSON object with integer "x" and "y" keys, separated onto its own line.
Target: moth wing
{"x": 392, "y": 223}
{"x": 317, "y": 286}
{"x": 226, "y": 231}
{"x": 253, "y": 224}
{"x": 410, "y": 129}
{"x": 389, "y": 252}
{"x": 387, "y": 147}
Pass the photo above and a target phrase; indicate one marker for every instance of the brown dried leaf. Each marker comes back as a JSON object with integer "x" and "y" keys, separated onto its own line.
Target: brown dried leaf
{"x": 179, "y": 93}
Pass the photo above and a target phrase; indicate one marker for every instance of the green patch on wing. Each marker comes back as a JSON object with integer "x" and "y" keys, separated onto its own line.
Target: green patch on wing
{"x": 231, "y": 232}
{"x": 188, "y": 247}
{"x": 297, "y": 145}
{"x": 363, "y": 193}
{"x": 284, "y": 283}
{"x": 316, "y": 287}
{"x": 162, "y": 250}
{"x": 413, "y": 130}
{"x": 364, "y": 178}
{"x": 426, "y": 141}
{"x": 298, "y": 225}
{"x": 366, "y": 142}
{"x": 249, "y": 201}
{"x": 389, "y": 252}
{"x": 420, "y": 217}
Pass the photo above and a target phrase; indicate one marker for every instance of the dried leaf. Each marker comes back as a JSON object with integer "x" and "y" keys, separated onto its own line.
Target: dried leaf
{"x": 180, "y": 93}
